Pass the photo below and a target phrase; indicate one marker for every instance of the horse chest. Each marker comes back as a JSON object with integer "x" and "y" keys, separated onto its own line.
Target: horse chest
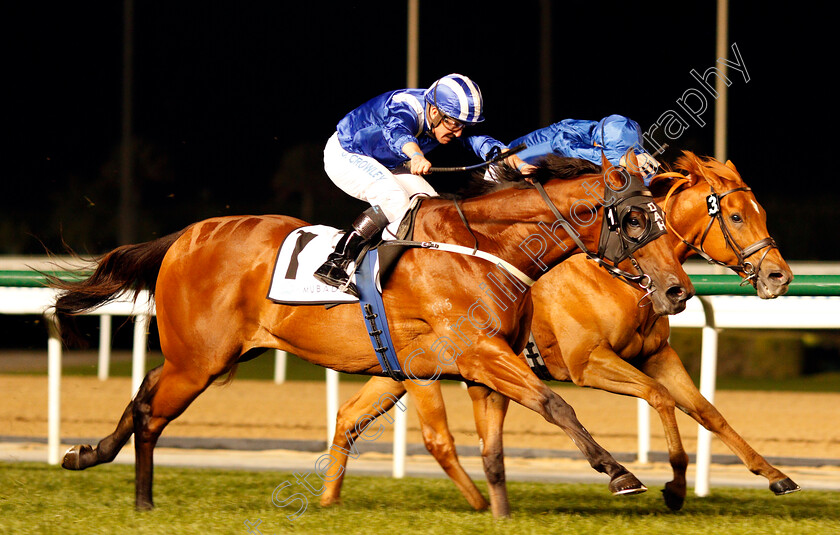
{"x": 631, "y": 347}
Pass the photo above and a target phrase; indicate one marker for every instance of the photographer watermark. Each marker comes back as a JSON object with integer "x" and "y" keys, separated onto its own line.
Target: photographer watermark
{"x": 694, "y": 101}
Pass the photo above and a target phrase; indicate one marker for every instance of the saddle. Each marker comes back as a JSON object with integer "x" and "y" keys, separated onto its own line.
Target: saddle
{"x": 306, "y": 248}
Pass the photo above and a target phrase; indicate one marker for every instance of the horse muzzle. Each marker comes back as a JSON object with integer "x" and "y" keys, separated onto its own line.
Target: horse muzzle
{"x": 772, "y": 280}
{"x": 673, "y": 299}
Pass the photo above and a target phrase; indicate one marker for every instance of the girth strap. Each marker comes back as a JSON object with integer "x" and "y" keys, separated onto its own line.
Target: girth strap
{"x": 460, "y": 249}
{"x": 373, "y": 311}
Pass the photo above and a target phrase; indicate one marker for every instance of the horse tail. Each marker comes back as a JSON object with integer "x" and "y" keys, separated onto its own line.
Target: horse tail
{"x": 128, "y": 269}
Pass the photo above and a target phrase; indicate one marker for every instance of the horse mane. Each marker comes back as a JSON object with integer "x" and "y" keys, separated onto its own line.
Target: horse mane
{"x": 701, "y": 166}
{"x": 548, "y": 167}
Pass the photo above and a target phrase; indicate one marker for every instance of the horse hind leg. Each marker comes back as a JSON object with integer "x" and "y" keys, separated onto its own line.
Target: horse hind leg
{"x": 82, "y": 456}
{"x": 153, "y": 409}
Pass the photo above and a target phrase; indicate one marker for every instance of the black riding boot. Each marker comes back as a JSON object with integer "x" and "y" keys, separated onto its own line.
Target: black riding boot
{"x": 334, "y": 271}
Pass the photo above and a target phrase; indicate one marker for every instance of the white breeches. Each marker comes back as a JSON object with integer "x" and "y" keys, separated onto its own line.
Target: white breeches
{"x": 368, "y": 180}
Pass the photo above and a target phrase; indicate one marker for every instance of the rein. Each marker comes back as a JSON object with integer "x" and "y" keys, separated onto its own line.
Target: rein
{"x": 467, "y": 225}
{"x": 714, "y": 210}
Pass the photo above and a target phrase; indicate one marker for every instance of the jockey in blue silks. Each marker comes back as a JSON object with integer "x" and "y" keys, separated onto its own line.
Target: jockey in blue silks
{"x": 574, "y": 138}
{"x": 366, "y": 154}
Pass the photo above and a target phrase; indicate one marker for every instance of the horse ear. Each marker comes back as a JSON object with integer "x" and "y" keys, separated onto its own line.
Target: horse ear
{"x": 608, "y": 169}
{"x": 731, "y": 165}
{"x": 699, "y": 171}
{"x": 605, "y": 164}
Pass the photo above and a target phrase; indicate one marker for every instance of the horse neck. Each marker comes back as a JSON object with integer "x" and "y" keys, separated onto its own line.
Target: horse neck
{"x": 507, "y": 224}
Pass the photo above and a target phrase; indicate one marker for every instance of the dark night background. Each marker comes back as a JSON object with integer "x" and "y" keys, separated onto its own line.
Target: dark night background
{"x": 233, "y": 102}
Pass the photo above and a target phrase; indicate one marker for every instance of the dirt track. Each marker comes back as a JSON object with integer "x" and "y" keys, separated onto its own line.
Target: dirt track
{"x": 785, "y": 424}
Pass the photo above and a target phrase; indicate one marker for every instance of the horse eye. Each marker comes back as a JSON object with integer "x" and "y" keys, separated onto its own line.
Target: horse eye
{"x": 736, "y": 218}
{"x": 634, "y": 224}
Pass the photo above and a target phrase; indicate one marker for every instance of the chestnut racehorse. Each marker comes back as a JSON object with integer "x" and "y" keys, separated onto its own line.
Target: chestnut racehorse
{"x": 211, "y": 279}
{"x": 614, "y": 345}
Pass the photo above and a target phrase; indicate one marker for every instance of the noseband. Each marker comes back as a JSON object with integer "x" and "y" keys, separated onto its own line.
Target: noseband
{"x": 749, "y": 271}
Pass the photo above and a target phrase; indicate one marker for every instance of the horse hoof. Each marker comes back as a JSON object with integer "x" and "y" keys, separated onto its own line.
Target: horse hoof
{"x": 480, "y": 506}
{"x": 626, "y": 484}
{"x": 328, "y": 501}
{"x": 784, "y": 486}
{"x": 144, "y": 506}
{"x": 673, "y": 500}
{"x": 73, "y": 457}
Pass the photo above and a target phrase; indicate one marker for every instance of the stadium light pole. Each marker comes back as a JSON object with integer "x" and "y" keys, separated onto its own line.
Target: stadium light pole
{"x": 127, "y": 204}
{"x": 546, "y": 110}
{"x": 413, "y": 60}
{"x": 721, "y": 116}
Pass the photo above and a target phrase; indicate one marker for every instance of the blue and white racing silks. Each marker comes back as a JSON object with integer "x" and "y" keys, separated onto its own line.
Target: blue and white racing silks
{"x": 576, "y": 138}
{"x": 380, "y": 127}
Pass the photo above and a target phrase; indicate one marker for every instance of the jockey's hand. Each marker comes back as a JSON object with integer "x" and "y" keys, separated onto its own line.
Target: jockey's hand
{"x": 419, "y": 165}
{"x": 519, "y": 164}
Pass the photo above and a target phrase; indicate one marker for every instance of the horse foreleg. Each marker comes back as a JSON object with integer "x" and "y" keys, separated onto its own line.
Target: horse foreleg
{"x": 155, "y": 405}
{"x": 375, "y": 398}
{"x": 508, "y": 375}
{"x": 84, "y": 456}
{"x": 602, "y": 368}
{"x": 431, "y": 412}
{"x": 489, "y": 409}
{"x": 667, "y": 368}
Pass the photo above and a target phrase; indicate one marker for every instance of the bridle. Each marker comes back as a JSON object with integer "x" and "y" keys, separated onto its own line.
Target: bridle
{"x": 620, "y": 202}
{"x": 713, "y": 208}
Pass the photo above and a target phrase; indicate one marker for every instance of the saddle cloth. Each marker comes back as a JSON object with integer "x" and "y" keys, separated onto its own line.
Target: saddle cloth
{"x": 302, "y": 252}
{"x": 292, "y": 283}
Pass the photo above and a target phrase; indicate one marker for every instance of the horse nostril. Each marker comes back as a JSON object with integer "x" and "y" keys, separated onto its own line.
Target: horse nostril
{"x": 676, "y": 294}
{"x": 778, "y": 277}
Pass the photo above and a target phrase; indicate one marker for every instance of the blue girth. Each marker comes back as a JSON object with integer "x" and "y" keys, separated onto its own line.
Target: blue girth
{"x": 373, "y": 312}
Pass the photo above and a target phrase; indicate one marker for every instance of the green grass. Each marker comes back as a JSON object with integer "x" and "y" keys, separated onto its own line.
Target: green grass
{"x": 37, "y": 498}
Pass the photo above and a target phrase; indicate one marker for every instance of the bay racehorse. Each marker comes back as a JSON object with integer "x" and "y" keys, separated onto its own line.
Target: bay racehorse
{"x": 211, "y": 279}
{"x": 590, "y": 330}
